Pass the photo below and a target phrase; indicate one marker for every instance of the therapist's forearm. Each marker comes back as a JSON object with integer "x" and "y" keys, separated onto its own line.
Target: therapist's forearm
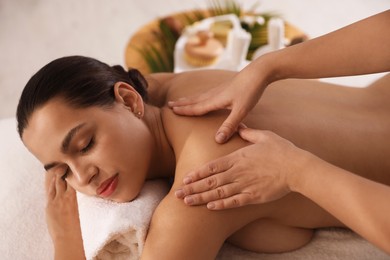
{"x": 360, "y": 48}
{"x": 361, "y": 204}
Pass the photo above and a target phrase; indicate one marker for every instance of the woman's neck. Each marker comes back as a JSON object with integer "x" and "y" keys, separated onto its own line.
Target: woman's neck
{"x": 163, "y": 158}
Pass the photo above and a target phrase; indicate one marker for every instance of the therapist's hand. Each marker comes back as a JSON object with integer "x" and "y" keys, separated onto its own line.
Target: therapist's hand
{"x": 259, "y": 173}
{"x": 240, "y": 95}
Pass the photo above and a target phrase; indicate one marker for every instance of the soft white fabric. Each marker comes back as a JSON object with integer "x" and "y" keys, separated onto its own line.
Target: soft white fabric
{"x": 327, "y": 244}
{"x": 22, "y": 199}
{"x": 118, "y": 230}
{"x": 24, "y": 234}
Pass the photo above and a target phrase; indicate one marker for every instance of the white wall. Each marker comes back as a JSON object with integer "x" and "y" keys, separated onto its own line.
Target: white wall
{"x": 34, "y": 32}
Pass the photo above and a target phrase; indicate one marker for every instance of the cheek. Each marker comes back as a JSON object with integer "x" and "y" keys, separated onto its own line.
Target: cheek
{"x": 128, "y": 191}
{"x": 134, "y": 142}
{"x": 135, "y": 153}
{"x": 133, "y": 159}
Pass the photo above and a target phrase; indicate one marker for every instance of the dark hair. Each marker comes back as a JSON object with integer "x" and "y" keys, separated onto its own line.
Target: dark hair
{"x": 80, "y": 81}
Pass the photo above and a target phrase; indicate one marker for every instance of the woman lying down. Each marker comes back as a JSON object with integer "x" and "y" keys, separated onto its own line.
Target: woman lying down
{"x": 103, "y": 132}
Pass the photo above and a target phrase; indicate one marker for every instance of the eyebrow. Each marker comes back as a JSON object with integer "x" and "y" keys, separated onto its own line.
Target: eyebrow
{"x": 65, "y": 144}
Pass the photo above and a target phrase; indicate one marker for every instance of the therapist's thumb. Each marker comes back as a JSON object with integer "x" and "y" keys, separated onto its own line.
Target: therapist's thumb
{"x": 229, "y": 127}
{"x": 253, "y": 135}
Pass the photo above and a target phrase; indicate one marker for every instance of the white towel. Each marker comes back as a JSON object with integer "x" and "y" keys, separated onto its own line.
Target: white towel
{"x": 116, "y": 231}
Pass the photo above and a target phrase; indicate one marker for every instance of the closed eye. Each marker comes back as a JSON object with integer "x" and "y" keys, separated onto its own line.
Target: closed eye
{"x": 88, "y": 146}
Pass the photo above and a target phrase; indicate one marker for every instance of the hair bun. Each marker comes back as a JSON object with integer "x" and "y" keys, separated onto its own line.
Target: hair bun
{"x": 120, "y": 69}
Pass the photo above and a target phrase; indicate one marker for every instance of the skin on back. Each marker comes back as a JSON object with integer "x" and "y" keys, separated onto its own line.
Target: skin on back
{"x": 348, "y": 127}
{"x": 326, "y": 120}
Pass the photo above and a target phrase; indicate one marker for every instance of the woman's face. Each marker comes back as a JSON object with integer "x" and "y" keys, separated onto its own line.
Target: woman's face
{"x": 99, "y": 152}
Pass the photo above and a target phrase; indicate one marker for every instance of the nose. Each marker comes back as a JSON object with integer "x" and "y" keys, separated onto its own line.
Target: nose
{"x": 83, "y": 172}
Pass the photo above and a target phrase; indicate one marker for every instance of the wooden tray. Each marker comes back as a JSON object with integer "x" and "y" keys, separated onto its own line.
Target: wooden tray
{"x": 145, "y": 35}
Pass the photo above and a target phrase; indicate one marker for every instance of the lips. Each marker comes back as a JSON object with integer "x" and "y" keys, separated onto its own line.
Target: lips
{"x": 107, "y": 187}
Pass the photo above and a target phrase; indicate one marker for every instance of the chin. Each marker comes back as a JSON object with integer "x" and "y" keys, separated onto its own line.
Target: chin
{"x": 127, "y": 197}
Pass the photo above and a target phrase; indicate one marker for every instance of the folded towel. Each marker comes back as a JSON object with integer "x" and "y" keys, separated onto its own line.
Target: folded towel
{"x": 117, "y": 231}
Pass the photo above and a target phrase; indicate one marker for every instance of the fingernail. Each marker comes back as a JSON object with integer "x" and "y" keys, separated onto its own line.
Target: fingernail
{"x": 187, "y": 180}
{"x": 242, "y": 126}
{"x": 171, "y": 103}
{"x": 189, "y": 200}
{"x": 211, "y": 205}
{"x": 179, "y": 193}
{"x": 220, "y": 138}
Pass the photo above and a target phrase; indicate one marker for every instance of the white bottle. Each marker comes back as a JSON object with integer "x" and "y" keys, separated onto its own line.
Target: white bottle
{"x": 275, "y": 29}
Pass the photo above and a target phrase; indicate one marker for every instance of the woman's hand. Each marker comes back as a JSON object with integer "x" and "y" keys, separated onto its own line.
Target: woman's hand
{"x": 61, "y": 211}
{"x": 62, "y": 218}
{"x": 240, "y": 95}
{"x": 259, "y": 173}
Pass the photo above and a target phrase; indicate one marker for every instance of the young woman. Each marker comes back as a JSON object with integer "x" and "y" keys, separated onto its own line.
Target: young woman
{"x": 91, "y": 125}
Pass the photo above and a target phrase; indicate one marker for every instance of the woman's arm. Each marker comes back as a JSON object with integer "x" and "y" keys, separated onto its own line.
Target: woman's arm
{"x": 63, "y": 220}
{"x": 272, "y": 167}
{"x": 178, "y": 231}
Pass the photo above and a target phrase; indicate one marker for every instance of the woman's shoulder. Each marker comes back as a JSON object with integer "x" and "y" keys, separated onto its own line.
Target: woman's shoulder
{"x": 196, "y": 82}
{"x": 170, "y": 86}
{"x": 192, "y": 139}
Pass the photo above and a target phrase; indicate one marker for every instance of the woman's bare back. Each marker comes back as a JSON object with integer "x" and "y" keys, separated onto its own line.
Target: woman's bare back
{"x": 327, "y": 120}
{"x": 348, "y": 127}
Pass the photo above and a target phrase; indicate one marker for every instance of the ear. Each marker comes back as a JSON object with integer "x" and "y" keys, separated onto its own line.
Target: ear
{"x": 126, "y": 95}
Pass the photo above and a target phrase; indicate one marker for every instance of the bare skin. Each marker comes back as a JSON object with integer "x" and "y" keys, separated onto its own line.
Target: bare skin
{"x": 323, "y": 119}
{"x": 318, "y": 125}
{"x": 260, "y": 173}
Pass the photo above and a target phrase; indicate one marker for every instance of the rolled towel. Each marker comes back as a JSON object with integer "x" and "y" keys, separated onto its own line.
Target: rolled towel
{"x": 117, "y": 231}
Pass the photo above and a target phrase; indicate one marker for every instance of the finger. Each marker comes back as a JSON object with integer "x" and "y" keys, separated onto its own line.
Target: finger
{"x": 201, "y": 107}
{"x": 219, "y": 165}
{"x": 230, "y": 125}
{"x": 253, "y": 135}
{"x": 218, "y": 193}
{"x": 70, "y": 189}
{"x": 48, "y": 180}
{"x": 51, "y": 188}
{"x": 234, "y": 201}
{"x": 242, "y": 126}
{"x": 206, "y": 184}
{"x": 60, "y": 185}
{"x": 190, "y": 110}
{"x": 185, "y": 101}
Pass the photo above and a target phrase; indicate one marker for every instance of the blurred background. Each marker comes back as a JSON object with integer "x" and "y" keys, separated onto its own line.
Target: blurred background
{"x": 34, "y": 32}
